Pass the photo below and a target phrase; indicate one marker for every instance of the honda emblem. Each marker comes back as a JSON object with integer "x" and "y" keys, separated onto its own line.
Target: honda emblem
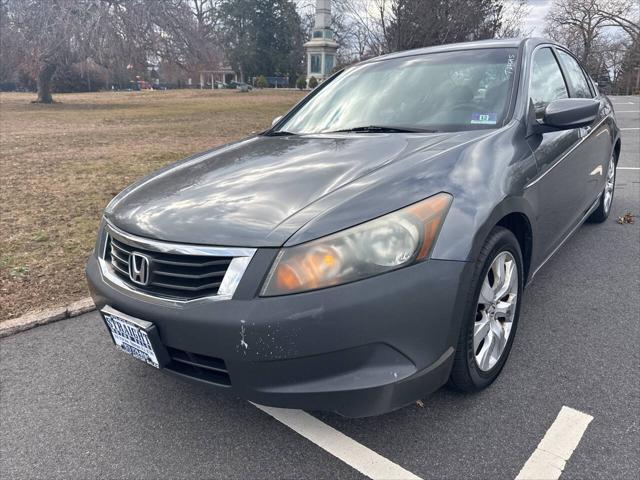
{"x": 139, "y": 268}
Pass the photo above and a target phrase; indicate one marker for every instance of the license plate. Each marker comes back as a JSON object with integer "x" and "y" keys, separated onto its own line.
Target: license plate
{"x": 131, "y": 335}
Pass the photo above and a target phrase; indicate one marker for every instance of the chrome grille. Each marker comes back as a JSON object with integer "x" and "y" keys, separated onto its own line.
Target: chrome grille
{"x": 176, "y": 272}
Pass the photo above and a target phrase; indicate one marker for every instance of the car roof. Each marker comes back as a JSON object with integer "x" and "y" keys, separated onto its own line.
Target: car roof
{"x": 452, "y": 47}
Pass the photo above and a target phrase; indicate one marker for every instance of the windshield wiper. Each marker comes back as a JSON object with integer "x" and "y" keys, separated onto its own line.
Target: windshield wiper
{"x": 280, "y": 133}
{"x": 383, "y": 129}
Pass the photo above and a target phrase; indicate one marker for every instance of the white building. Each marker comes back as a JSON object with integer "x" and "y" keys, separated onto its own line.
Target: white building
{"x": 321, "y": 48}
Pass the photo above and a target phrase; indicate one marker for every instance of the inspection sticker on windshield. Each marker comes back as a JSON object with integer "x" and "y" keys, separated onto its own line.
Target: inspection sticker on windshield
{"x": 484, "y": 118}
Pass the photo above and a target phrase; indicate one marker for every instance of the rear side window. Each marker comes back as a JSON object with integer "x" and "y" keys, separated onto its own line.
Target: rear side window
{"x": 547, "y": 82}
{"x": 577, "y": 78}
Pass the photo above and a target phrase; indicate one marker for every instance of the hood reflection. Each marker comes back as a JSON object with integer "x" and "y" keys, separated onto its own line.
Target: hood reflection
{"x": 240, "y": 195}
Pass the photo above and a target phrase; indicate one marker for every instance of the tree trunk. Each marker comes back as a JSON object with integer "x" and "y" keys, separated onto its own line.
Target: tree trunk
{"x": 44, "y": 83}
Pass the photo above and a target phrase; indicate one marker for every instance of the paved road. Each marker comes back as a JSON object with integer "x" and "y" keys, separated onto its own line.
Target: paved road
{"x": 80, "y": 409}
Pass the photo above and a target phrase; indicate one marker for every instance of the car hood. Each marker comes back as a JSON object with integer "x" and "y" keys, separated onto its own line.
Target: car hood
{"x": 245, "y": 194}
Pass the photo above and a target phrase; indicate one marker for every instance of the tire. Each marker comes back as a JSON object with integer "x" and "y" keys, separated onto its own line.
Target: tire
{"x": 476, "y": 365}
{"x": 601, "y": 213}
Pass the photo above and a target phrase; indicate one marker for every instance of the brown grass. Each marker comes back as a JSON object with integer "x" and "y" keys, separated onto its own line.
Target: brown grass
{"x": 62, "y": 163}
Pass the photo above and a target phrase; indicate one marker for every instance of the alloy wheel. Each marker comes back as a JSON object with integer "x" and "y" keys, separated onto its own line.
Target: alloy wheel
{"x": 610, "y": 185}
{"x": 495, "y": 311}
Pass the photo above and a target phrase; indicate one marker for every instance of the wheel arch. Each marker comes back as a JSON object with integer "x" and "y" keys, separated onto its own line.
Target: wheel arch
{"x": 617, "y": 146}
{"x": 516, "y": 215}
{"x": 518, "y": 223}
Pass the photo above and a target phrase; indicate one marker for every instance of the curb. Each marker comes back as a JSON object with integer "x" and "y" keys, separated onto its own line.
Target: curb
{"x": 42, "y": 317}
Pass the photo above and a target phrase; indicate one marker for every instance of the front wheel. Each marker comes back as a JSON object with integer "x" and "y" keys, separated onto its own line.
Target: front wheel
{"x": 492, "y": 312}
{"x": 601, "y": 213}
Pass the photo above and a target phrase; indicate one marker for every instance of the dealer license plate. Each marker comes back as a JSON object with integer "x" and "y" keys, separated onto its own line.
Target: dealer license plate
{"x": 131, "y": 335}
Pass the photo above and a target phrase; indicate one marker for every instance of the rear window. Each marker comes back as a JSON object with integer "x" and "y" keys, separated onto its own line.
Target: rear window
{"x": 577, "y": 77}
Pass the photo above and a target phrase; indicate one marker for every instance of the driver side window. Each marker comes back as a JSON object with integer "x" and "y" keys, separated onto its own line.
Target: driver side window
{"x": 547, "y": 83}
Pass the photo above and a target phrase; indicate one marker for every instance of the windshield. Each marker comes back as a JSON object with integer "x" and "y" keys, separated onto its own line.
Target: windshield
{"x": 447, "y": 91}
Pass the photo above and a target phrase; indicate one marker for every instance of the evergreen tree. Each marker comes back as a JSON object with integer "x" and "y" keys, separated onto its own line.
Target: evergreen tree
{"x": 262, "y": 36}
{"x": 422, "y": 23}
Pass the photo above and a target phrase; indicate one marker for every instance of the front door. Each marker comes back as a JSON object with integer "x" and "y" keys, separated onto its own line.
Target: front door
{"x": 596, "y": 147}
{"x": 559, "y": 187}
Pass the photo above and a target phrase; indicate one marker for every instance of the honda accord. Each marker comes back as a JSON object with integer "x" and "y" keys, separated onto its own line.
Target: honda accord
{"x": 374, "y": 243}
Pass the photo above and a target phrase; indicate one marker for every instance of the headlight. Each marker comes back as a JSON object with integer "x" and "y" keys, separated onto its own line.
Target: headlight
{"x": 386, "y": 243}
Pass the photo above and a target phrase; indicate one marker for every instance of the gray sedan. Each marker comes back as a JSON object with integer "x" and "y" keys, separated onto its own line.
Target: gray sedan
{"x": 374, "y": 244}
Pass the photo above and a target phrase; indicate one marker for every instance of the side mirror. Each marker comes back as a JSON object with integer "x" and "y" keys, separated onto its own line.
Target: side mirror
{"x": 564, "y": 114}
{"x": 276, "y": 120}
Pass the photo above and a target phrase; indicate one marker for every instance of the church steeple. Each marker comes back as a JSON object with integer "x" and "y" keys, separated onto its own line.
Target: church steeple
{"x": 321, "y": 48}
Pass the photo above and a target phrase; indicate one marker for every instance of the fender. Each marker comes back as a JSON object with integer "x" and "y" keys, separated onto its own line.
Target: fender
{"x": 508, "y": 206}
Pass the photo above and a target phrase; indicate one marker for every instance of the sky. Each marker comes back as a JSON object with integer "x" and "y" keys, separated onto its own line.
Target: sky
{"x": 537, "y": 11}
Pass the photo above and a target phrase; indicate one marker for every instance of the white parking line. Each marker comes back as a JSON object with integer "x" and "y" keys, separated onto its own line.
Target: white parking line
{"x": 627, "y": 111}
{"x": 627, "y": 168}
{"x": 631, "y": 128}
{"x": 548, "y": 460}
{"x": 352, "y": 453}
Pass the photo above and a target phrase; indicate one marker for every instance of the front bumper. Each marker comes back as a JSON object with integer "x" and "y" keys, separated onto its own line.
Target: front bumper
{"x": 359, "y": 349}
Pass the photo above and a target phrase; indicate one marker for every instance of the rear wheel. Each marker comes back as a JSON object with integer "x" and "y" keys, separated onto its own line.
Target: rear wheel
{"x": 606, "y": 199}
{"x": 492, "y": 312}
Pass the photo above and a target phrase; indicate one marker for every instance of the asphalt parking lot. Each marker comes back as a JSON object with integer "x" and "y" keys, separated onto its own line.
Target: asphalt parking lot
{"x": 71, "y": 406}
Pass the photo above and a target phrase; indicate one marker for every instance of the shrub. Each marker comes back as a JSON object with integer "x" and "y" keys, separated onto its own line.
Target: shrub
{"x": 313, "y": 82}
{"x": 261, "y": 82}
{"x": 301, "y": 83}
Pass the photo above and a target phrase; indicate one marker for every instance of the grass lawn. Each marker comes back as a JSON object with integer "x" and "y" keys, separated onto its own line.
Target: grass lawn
{"x": 62, "y": 163}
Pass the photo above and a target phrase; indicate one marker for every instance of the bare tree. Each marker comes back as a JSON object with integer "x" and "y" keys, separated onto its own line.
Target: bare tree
{"x": 612, "y": 54}
{"x": 625, "y": 15}
{"x": 10, "y": 58}
{"x": 582, "y": 26}
{"x": 190, "y": 33}
{"x": 49, "y": 35}
{"x": 46, "y": 33}
{"x": 513, "y": 18}
{"x": 621, "y": 13}
{"x": 364, "y": 24}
